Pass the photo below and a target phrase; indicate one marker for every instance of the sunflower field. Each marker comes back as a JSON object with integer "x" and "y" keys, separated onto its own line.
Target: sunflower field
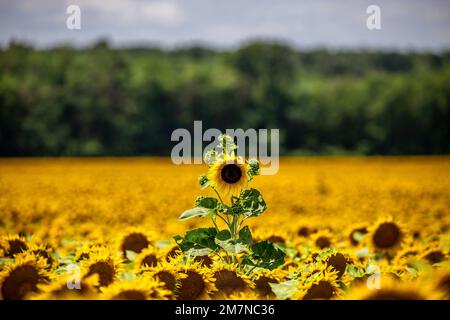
{"x": 321, "y": 228}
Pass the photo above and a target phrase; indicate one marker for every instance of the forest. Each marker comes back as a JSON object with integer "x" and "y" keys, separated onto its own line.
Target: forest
{"x": 107, "y": 101}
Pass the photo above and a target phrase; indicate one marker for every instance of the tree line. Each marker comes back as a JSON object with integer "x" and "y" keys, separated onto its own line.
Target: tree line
{"x": 100, "y": 100}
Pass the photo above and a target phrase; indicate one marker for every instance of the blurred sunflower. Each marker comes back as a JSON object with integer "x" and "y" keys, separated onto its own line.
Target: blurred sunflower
{"x": 22, "y": 277}
{"x": 168, "y": 274}
{"x": 407, "y": 253}
{"x": 228, "y": 175}
{"x": 320, "y": 284}
{"x": 356, "y": 233}
{"x": 391, "y": 289}
{"x": 262, "y": 279}
{"x": 149, "y": 257}
{"x": 104, "y": 263}
{"x": 172, "y": 252}
{"x": 43, "y": 252}
{"x": 228, "y": 280}
{"x": 142, "y": 288}
{"x": 85, "y": 251}
{"x": 12, "y": 245}
{"x": 386, "y": 235}
{"x": 441, "y": 281}
{"x": 198, "y": 282}
{"x": 434, "y": 254}
{"x": 339, "y": 261}
{"x": 323, "y": 239}
{"x": 60, "y": 288}
{"x": 205, "y": 261}
{"x": 134, "y": 239}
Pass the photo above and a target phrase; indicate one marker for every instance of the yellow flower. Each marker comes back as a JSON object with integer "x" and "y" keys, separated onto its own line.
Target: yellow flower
{"x": 168, "y": 274}
{"x": 141, "y": 288}
{"x": 229, "y": 280}
{"x": 228, "y": 175}
{"x": 262, "y": 279}
{"x": 321, "y": 283}
{"x": 391, "y": 289}
{"x": 386, "y": 235}
{"x": 197, "y": 282}
{"x": 69, "y": 287}
{"x": 12, "y": 245}
{"x": 104, "y": 263}
{"x": 22, "y": 277}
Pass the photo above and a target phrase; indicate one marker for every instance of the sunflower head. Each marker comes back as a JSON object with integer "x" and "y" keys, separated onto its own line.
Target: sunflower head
{"x": 142, "y": 288}
{"x": 105, "y": 264}
{"x": 229, "y": 280}
{"x": 228, "y": 175}
{"x": 134, "y": 239}
{"x": 387, "y": 235}
{"x": 149, "y": 257}
{"x": 197, "y": 282}
{"x": 392, "y": 289}
{"x": 12, "y": 245}
{"x": 22, "y": 277}
{"x": 320, "y": 284}
{"x": 166, "y": 273}
{"x": 263, "y": 278}
{"x": 323, "y": 239}
{"x": 434, "y": 254}
{"x": 43, "y": 252}
{"x": 60, "y": 288}
{"x": 442, "y": 281}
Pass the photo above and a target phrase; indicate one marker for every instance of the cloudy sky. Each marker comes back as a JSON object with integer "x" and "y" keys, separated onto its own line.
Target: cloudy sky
{"x": 406, "y": 24}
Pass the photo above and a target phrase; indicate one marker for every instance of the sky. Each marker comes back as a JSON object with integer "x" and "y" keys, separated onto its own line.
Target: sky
{"x": 405, "y": 24}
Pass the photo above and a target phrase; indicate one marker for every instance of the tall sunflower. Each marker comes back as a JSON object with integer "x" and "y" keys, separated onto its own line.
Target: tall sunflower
{"x": 228, "y": 175}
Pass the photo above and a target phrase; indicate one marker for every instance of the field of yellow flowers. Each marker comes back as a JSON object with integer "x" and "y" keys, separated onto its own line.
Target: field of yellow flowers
{"x": 351, "y": 228}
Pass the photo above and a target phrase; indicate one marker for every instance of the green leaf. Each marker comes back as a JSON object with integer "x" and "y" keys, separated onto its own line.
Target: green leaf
{"x": 131, "y": 255}
{"x": 284, "y": 290}
{"x": 198, "y": 242}
{"x": 265, "y": 255}
{"x": 245, "y": 235}
{"x": 195, "y": 212}
{"x": 252, "y": 203}
{"x": 206, "y": 202}
{"x": 223, "y": 239}
{"x": 127, "y": 276}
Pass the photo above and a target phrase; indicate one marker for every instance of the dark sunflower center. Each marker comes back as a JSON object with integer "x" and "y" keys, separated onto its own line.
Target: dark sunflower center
{"x": 386, "y": 235}
{"x": 16, "y": 246}
{"x": 130, "y": 295}
{"x": 394, "y": 295}
{"x": 263, "y": 285}
{"x": 321, "y": 290}
{"x": 149, "y": 261}
{"x": 323, "y": 242}
{"x": 168, "y": 279}
{"x": 191, "y": 287}
{"x": 104, "y": 271}
{"x": 134, "y": 242}
{"x": 231, "y": 173}
{"x": 228, "y": 282}
{"x": 338, "y": 262}
{"x": 20, "y": 282}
